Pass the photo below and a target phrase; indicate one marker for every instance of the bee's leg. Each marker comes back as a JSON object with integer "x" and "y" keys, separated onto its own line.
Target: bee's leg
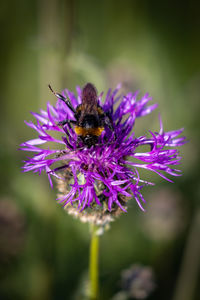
{"x": 66, "y": 121}
{"x": 78, "y": 142}
{"x": 108, "y": 122}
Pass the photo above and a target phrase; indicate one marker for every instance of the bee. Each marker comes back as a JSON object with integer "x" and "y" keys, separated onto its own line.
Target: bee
{"x": 90, "y": 118}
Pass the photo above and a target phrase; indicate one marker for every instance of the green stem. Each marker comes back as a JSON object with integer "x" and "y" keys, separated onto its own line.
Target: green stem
{"x": 94, "y": 270}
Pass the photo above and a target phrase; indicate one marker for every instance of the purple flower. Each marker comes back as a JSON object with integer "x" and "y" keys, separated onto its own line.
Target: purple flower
{"x": 105, "y": 175}
{"x": 137, "y": 281}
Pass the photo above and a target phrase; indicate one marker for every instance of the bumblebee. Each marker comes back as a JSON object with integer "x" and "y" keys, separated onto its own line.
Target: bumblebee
{"x": 91, "y": 120}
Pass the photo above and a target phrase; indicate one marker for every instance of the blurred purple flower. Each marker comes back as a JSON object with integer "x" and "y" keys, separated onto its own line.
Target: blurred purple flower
{"x": 138, "y": 281}
{"x": 106, "y": 174}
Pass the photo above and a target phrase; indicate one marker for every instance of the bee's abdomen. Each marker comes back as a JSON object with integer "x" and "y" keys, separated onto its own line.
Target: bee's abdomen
{"x": 82, "y": 131}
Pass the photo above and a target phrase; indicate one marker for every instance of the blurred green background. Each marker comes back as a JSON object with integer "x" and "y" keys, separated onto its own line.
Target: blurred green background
{"x": 152, "y": 46}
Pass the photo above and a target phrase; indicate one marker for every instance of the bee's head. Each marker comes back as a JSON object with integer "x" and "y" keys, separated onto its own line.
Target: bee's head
{"x": 90, "y": 140}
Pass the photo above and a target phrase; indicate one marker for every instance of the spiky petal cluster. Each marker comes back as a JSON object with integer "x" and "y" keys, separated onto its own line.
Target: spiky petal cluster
{"x": 113, "y": 164}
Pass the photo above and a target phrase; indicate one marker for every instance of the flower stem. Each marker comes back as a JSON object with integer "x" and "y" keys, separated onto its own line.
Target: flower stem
{"x": 94, "y": 270}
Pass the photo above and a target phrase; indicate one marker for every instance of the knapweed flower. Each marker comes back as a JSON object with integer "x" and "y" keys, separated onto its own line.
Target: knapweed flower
{"x": 96, "y": 182}
{"x": 138, "y": 281}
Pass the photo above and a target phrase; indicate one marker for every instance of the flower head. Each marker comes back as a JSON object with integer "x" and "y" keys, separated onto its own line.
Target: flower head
{"x": 138, "y": 281}
{"x": 98, "y": 180}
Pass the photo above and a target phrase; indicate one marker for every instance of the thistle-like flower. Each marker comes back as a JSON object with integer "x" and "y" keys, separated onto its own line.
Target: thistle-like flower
{"x": 97, "y": 167}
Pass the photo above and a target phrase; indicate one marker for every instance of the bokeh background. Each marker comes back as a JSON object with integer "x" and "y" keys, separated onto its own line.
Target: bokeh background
{"x": 152, "y": 46}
